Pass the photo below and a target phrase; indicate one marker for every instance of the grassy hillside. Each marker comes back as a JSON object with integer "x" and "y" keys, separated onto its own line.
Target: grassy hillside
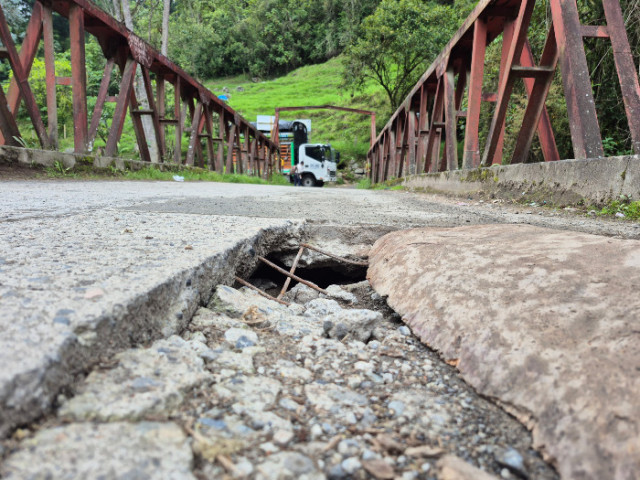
{"x": 311, "y": 85}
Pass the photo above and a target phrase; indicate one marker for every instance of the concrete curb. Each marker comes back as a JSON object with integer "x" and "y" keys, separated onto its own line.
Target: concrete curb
{"x": 596, "y": 181}
{"x": 47, "y": 158}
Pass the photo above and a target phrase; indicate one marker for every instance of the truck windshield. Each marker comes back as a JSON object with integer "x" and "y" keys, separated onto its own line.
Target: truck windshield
{"x": 315, "y": 151}
{"x": 329, "y": 153}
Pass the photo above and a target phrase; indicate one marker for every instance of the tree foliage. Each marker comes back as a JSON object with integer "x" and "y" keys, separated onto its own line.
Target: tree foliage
{"x": 395, "y": 45}
{"x": 213, "y": 38}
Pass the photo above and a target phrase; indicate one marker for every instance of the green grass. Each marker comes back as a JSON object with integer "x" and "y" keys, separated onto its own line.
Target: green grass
{"x": 88, "y": 172}
{"x": 311, "y": 85}
{"x": 630, "y": 210}
{"x": 198, "y": 175}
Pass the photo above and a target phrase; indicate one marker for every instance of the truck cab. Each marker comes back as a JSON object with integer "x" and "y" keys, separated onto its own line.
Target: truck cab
{"x": 317, "y": 163}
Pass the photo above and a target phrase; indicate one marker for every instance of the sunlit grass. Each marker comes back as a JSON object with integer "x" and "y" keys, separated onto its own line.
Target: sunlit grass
{"x": 202, "y": 176}
{"x": 312, "y": 85}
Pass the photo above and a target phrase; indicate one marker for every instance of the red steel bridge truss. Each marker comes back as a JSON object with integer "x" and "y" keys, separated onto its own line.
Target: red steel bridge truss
{"x": 422, "y": 135}
{"x": 194, "y": 112}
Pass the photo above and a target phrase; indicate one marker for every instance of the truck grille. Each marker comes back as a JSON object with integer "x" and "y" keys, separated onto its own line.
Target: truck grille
{"x": 332, "y": 173}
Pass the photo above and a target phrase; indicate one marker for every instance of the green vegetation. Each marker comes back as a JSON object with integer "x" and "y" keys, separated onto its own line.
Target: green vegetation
{"x": 391, "y": 184}
{"x": 364, "y": 184}
{"x": 200, "y": 175}
{"x": 390, "y": 49}
{"x": 259, "y": 37}
{"x": 624, "y": 206}
{"x": 349, "y": 133}
{"x": 167, "y": 173}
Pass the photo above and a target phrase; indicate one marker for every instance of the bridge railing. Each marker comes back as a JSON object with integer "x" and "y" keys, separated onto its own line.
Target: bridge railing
{"x": 422, "y": 135}
{"x": 232, "y": 145}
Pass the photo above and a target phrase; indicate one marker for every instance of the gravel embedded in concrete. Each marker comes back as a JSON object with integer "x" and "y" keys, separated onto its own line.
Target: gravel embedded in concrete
{"x": 119, "y": 450}
{"x": 145, "y": 381}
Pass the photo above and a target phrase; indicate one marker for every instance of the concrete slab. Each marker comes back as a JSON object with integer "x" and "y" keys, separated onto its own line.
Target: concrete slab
{"x": 77, "y": 287}
{"x": 544, "y": 321}
{"x": 112, "y": 451}
{"x": 88, "y": 269}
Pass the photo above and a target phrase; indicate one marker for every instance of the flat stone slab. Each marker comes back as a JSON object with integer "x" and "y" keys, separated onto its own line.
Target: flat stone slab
{"x": 544, "y": 321}
{"x": 116, "y": 451}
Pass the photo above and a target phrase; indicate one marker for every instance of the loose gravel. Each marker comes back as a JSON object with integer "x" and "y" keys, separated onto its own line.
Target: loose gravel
{"x": 326, "y": 388}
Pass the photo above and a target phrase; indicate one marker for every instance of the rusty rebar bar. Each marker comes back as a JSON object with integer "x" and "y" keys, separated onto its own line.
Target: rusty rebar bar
{"x": 290, "y": 275}
{"x": 342, "y": 259}
{"x": 264, "y": 294}
{"x": 292, "y": 271}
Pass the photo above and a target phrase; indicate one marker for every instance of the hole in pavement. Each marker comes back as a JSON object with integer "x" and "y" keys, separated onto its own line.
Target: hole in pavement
{"x": 323, "y": 273}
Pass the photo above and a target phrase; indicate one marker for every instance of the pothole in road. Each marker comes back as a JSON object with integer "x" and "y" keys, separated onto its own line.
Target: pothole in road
{"x": 326, "y": 387}
{"x": 336, "y": 386}
{"x": 290, "y": 397}
{"x": 321, "y": 273}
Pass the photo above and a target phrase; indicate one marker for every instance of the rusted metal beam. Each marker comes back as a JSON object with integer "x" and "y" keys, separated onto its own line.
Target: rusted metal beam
{"x": 195, "y": 134}
{"x": 545, "y": 129}
{"x": 433, "y": 141}
{"x": 422, "y": 125}
{"x": 511, "y": 19}
{"x": 177, "y": 101}
{"x": 78, "y": 79}
{"x": 100, "y": 101}
{"x": 161, "y": 98}
{"x": 155, "y": 116}
{"x": 506, "y": 86}
{"x": 50, "y": 76}
{"x": 292, "y": 276}
{"x": 22, "y": 80}
{"x": 221, "y": 132}
{"x": 471, "y": 158}
{"x": 264, "y": 294}
{"x": 209, "y": 127}
{"x": 411, "y": 155}
{"x": 8, "y": 125}
{"x": 28, "y": 52}
{"x": 119, "y": 115}
{"x": 138, "y": 128}
{"x": 231, "y": 138}
{"x": 533, "y": 115}
{"x": 594, "y": 31}
{"x": 116, "y": 41}
{"x": 450, "y": 120}
{"x": 581, "y": 107}
{"x": 401, "y": 145}
{"x": 627, "y": 73}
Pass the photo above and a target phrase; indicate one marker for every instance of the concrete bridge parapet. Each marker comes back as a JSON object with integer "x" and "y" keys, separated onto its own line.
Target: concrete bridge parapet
{"x": 593, "y": 181}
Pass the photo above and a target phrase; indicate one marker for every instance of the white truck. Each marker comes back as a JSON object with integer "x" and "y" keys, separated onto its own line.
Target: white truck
{"x": 317, "y": 163}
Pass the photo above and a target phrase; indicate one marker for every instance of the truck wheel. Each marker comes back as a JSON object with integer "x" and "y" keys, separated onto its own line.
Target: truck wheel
{"x": 308, "y": 181}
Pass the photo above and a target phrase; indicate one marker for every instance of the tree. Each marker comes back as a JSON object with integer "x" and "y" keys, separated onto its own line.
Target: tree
{"x": 396, "y": 44}
{"x": 164, "y": 48}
